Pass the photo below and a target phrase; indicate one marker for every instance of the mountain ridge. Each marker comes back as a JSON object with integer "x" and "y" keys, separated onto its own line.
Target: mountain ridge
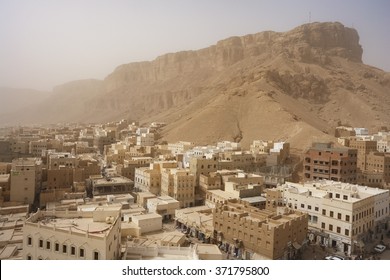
{"x": 294, "y": 85}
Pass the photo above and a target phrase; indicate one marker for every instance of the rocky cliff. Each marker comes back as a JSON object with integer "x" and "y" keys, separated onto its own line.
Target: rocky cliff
{"x": 294, "y": 86}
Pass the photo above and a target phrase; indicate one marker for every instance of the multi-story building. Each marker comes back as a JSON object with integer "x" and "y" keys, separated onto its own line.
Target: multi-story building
{"x": 179, "y": 184}
{"x": 129, "y": 165}
{"x": 145, "y": 139}
{"x": 149, "y": 178}
{"x": 340, "y": 214}
{"x": 276, "y": 153}
{"x": 5, "y": 186}
{"x": 213, "y": 181}
{"x": 111, "y": 185}
{"x": 229, "y": 146}
{"x": 102, "y": 139}
{"x": 249, "y": 230}
{"x": 5, "y": 168}
{"x": 60, "y": 178}
{"x": 377, "y": 170}
{"x": 279, "y": 154}
{"x": 26, "y": 179}
{"x": 73, "y": 235}
{"x": 232, "y": 160}
{"x": 180, "y": 147}
{"x": 203, "y": 166}
{"x": 37, "y": 148}
{"x": 57, "y": 160}
{"x": 322, "y": 161}
{"x": 87, "y": 166}
{"x": 363, "y": 147}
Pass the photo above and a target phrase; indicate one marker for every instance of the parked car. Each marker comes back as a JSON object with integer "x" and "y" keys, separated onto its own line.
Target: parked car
{"x": 334, "y": 258}
{"x": 379, "y": 248}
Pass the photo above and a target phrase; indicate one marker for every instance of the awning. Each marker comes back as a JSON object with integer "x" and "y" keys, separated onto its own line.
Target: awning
{"x": 296, "y": 245}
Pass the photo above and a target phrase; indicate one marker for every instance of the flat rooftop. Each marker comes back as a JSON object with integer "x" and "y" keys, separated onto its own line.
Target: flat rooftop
{"x": 111, "y": 180}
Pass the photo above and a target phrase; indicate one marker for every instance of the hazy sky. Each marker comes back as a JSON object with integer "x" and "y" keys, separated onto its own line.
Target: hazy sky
{"x": 46, "y": 43}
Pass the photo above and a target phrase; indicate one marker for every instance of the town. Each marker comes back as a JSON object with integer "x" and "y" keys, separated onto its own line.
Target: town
{"x": 118, "y": 191}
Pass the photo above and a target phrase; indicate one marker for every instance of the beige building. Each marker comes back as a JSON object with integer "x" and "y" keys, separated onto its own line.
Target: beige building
{"x": 213, "y": 181}
{"x": 73, "y": 235}
{"x": 164, "y": 206}
{"x": 142, "y": 198}
{"x": 57, "y": 160}
{"x": 208, "y": 252}
{"x": 147, "y": 223}
{"x": 145, "y": 139}
{"x": 203, "y": 166}
{"x": 26, "y": 179}
{"x": 340, "y": 214}
{"x": 213, "y": 197}
{"x": 179, "y": 184}
{"x": 60, "y": 178}
{"x": 5, "y": 168}
{"x": 180, "y": 147}
{"x": 148, "y": 179}
{"x": 247, "y": 230}
{"x": 129, "y": 165}
{"x": 277, "y": 153}
{"x": 87, "y": 165}
{"x": 111, "y": 185}
{"x": 364, "y": 147}
{"x": 37, "y": 148}
{"x": 5, "y": 187}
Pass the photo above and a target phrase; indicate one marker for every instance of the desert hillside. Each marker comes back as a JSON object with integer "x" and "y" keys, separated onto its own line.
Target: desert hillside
{"x": 293, "y": 86}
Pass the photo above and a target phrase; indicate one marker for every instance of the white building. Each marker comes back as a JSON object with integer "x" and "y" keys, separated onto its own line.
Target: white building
{"x": 180, "y": 147}
{"x": 145, "y": 139}
{"x": 361, "y": 131}
{"x": 340, "y": 214}
{"x": 63, "y": 235}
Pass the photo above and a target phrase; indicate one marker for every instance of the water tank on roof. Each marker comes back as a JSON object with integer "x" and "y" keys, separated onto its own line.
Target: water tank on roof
{"x": 109, "y": 219}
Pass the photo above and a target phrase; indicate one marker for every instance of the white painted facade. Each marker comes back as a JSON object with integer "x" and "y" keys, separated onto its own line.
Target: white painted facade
{"x": 63, "y": 235}
{"x": 340, "y": 214}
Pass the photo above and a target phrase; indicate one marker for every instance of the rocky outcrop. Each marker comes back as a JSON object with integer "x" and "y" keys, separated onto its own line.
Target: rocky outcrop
{"x": 268, "y": 85}
{"x": 308, "y": 43}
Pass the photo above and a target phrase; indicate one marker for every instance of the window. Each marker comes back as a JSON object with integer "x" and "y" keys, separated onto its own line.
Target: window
{"x": 48, "y": 245}
{"x": 81, "y": 253}
{"x": 322, "y": 225}
{"x": 57, "y": 247}
{"x": 302, "y": 205}
{"x": 338, "y": 229}
{"x": 64, "y": 249}
{"x": 347, "y": 232}
{"x": 95, "y": 255}
{"x": 339, "y": 216}
{"x": 345, "y": 197}
{"x": 29, "y": 240}
{"x": 309, "y": 207}
{"x": 337, "y": 195}
{"x": 330, "y": 227}
{"x": 316, "y": 208}
{"x": 40, "y": 243}
{"x": 73, "y": 250}
{"x": 347, "y": 218}
{"x": 331, "y": 213}
{"x": 324, "y": 212}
